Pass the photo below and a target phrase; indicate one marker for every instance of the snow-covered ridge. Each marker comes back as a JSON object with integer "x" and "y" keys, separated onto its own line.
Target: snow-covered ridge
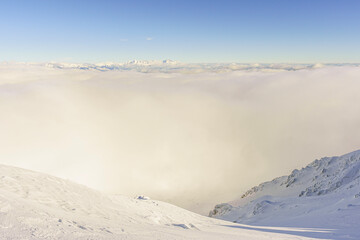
{"x": 325, "y": 193}
{"x": 108, "y": 66}
{"x": 39, "y": 206}
{"x": 151, "y": 62}
{"x": 171, "y": 66}
{"x": 320, "y": 177}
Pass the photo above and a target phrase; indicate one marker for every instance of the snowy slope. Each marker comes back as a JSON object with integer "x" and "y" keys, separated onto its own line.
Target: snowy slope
{"x": 39, "y": 206}
{"x": 324, "y": 194}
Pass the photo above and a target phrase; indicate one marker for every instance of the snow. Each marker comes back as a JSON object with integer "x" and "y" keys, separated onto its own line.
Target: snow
{"x": 39, "y": 206}
{"x": 171, "y": 66}
{"x": 323, "y": 195}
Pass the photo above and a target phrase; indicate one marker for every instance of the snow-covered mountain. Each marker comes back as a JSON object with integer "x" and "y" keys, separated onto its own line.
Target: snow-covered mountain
{"x": 151, "y": 62}
{"x": 39, "y": 206}
{"x": 114, "y": 65}
{"x": 171, "y": 66}
{"x": 324, "y": 194}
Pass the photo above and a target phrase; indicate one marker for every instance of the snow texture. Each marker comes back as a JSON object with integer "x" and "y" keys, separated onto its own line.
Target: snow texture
{"x": 324, "y": 194}
{"x": 39, "y": 206}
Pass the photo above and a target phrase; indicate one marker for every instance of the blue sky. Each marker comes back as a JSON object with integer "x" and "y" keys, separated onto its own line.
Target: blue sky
{"x": 187, "y": 31}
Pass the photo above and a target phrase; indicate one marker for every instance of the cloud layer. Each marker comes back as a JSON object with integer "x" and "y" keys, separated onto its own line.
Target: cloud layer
{"x": 191, "y": 139}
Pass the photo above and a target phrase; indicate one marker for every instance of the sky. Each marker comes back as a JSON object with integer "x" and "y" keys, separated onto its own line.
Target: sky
{"x": 188, "y": 31}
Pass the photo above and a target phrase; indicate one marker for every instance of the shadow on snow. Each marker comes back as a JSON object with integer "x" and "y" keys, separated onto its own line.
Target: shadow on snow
{"x": 304, "y": 232}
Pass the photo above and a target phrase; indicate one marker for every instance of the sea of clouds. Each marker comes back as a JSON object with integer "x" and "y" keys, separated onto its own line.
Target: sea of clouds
{"x": 191, "y": 134}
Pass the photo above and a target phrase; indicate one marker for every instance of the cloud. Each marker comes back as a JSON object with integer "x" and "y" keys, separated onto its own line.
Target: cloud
{"x": 149, "y": 39}
{"x": 191, "y": 139}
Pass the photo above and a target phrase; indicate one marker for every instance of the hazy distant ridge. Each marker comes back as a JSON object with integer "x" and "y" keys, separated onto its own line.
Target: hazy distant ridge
{"x": 172, "y": 66}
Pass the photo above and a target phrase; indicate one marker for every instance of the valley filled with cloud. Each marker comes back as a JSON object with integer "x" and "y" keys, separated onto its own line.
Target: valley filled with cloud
{"x": 190, "y": 134}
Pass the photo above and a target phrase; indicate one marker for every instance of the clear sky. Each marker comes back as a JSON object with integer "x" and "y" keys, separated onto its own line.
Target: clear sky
{"x": 187, "y": 31}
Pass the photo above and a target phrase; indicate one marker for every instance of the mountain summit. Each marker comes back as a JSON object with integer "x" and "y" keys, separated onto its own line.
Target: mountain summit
{"x": 325, "y": 194}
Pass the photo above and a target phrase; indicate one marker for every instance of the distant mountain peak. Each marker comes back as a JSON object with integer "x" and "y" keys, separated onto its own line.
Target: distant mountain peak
{"x": 151, "y": 62}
